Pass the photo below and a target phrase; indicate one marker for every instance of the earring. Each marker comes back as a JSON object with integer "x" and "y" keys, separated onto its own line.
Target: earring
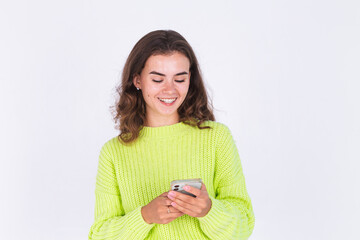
{"x": 137, "y": 88}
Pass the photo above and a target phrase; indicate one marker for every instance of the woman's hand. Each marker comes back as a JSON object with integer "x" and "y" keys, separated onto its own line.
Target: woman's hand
{"x": 160, "y": 211}
{"x": 197, "y": 206}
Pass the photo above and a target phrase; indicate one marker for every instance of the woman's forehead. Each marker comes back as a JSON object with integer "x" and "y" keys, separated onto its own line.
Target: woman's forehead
{"x": 169, "y": 63}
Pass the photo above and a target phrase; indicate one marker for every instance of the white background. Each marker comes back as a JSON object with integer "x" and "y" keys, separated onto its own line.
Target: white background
{"x": 284, "y": 77}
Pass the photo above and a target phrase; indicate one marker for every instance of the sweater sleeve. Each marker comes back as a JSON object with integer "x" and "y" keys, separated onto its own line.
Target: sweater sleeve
{"x": 111, "y": 222}
{"x": 231, "y": 215}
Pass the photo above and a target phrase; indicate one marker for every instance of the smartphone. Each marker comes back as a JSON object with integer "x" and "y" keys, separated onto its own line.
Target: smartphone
{"x": 177, "y": 185}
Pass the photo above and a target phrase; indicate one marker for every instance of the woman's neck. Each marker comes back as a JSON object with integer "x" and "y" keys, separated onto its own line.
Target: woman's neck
{"x": 159, "y": 122}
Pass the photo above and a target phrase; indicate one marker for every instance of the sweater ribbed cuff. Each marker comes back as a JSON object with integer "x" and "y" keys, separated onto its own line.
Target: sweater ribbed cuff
{"x": 213, "y": 219}
{"x": 136, "y": 223}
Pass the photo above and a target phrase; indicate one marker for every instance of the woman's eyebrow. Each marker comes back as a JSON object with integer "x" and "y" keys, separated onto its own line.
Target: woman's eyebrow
{"x": 161, "y": 74}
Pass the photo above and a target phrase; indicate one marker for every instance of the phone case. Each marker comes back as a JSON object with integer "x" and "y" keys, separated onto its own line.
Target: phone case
{"x": 177, "y": 185}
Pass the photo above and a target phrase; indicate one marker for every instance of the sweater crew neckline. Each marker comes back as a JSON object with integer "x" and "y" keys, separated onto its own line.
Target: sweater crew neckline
{"x": 167, "y": 131}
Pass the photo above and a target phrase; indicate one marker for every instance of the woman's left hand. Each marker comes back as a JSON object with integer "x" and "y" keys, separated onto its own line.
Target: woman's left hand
{"x": 197, "y": 206}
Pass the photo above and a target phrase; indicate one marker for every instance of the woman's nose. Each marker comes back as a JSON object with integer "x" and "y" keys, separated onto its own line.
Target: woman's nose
{"x": 169, "y": 86}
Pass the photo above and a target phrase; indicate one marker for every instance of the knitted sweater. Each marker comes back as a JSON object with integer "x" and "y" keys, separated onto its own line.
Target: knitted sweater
{"x": 130, "y": 176}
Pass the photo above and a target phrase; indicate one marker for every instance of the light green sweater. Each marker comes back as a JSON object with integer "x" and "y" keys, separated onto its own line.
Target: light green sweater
{"x": 129, "y": 177}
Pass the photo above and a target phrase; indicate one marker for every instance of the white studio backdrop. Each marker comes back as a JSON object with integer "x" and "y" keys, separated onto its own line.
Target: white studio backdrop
{"x": 283, "y": 75}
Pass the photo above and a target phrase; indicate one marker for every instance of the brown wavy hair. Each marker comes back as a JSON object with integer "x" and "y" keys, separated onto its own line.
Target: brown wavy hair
{"x": 129, "y": 110}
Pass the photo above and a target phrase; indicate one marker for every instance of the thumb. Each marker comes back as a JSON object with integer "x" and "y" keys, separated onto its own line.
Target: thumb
{"x": 203, "y": 187}
{"x": 164, "y": 194}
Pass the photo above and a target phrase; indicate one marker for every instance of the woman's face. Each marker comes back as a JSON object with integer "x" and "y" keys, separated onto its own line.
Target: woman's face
{"x": 164, "y": 82}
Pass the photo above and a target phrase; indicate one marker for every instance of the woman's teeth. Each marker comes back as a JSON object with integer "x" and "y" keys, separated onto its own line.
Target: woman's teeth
{"x": 167, "y": 100}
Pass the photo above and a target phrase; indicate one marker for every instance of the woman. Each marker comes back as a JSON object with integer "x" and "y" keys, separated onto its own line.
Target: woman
{"x": 168, "y": 132}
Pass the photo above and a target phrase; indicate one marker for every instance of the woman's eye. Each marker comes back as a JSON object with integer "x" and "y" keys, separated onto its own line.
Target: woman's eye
{"x": 179, "y": 80}
{"x": 158, "y": 81}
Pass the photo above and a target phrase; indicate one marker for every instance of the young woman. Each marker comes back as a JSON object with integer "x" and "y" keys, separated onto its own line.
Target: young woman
{"x": 168, "y": 132}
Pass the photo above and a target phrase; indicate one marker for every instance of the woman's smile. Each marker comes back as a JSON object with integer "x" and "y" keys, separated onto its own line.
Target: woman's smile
{"x": 168, "y": 101}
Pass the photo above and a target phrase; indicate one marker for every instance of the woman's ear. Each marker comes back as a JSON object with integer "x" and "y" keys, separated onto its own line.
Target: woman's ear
{"x": 136, "y": 80}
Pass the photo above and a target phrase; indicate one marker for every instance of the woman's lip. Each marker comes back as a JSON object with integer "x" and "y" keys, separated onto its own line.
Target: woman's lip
{"x": 168, "y": 104}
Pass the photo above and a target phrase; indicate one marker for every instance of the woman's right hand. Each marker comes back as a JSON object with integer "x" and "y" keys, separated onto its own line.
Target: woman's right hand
{"x": 160, "y": 211}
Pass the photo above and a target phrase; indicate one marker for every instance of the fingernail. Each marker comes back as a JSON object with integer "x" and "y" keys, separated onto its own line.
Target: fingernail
{"x": 172, "y": 194}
